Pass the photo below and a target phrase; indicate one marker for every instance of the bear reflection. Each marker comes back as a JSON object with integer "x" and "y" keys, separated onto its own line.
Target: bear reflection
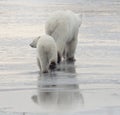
{"x": 59, "y": 89}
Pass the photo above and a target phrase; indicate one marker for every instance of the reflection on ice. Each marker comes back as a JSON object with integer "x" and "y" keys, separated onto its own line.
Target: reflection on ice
{"x": 53, "y": 94}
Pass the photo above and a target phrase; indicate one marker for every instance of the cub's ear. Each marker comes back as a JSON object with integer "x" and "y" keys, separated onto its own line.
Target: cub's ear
{"x": 32, "y": 45}
{"x": 34, "y": 42}
{"x": 34, "y": 98}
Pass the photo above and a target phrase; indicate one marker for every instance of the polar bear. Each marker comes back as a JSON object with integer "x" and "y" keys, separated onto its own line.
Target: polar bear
{"x": 63, "y": 26}
{"x": 46, "y": 52}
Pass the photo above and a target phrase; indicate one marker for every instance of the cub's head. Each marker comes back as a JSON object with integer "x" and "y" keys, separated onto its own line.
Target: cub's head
{"x": 34, "y": 42}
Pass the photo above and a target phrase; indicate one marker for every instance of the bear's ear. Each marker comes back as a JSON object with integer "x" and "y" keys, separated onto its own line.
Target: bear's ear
{"x": 34, "y": 42}
{"x": 33, "y": 45}
{"x": 34, "y": 98}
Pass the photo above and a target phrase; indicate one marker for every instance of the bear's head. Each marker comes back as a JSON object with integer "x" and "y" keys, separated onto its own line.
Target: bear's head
{"x": 34, "y": 42}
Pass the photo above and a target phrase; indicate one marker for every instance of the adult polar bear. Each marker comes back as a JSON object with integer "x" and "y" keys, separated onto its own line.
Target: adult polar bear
{"x": 63, "y": 26}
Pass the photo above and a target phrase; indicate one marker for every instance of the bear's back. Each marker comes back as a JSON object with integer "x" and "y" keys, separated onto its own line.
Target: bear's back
{"x": 46, "y": 43}
{"x": 62, "y": 25}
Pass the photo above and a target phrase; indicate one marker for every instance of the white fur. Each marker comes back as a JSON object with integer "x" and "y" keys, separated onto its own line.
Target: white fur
{"x": 63, "y": 26}
{"x": 46, "y": 51}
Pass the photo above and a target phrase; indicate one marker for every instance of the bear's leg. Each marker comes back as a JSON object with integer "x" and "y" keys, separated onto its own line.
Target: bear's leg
{"x": 58, "y": 58}
{"x": 52, "y": 65}
{"x": 52, "y": 57}
{"x": 38, "y": 62}
{"x": 60, "y": 48}
{"x": 44, "y": 62}
{"x": 70, "y": 52}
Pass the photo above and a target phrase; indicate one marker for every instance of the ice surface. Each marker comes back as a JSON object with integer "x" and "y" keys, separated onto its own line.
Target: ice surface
{"x": 90, "y": 86}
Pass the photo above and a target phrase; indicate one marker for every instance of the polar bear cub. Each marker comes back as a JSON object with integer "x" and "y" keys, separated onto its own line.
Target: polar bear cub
{"x": 63, "y": 26}
{"x": 46, "y": 52}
